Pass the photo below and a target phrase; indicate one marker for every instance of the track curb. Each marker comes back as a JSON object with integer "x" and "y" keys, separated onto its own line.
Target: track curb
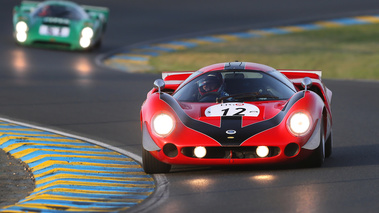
{"x": 136, "y": 58}
{"x": 77, "y": 174}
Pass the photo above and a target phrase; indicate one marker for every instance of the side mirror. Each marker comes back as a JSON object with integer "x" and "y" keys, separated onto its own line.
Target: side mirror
{"x": 159, "y": 84}
{"x": 306, "y": 83}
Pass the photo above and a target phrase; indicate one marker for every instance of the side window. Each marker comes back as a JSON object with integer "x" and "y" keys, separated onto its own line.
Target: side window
{"x": 282, "y": 78}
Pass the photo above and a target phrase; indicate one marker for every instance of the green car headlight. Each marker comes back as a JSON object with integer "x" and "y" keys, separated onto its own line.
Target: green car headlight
{"x": 87, "y": 34}
{"x": 21, "y": 31}
{"x": 21, "y": 26}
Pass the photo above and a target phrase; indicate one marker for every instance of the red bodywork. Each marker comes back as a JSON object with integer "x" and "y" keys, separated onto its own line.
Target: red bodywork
{"x": 284, "y": 146}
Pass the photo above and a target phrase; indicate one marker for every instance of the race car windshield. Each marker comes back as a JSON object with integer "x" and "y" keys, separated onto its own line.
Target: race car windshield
{"x": 232, "y": 86}
{"x": 60, "y": 11}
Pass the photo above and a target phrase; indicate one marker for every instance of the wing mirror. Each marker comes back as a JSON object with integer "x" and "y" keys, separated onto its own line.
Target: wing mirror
{"x": 306, "y": 83}
{"x": 159, "y": 84}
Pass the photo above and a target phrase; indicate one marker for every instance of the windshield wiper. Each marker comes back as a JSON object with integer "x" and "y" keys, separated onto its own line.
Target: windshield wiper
{"x": 246, "y": 95}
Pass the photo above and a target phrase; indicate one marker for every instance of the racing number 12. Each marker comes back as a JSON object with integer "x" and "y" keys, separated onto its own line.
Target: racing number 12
{"x": 240, "y": 112}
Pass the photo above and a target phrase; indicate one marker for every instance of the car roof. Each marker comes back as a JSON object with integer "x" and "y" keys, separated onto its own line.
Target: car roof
{"x": 60, "y": 2}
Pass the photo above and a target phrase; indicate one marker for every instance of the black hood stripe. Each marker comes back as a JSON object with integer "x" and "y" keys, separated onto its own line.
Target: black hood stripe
{"x": 229, "y": 123}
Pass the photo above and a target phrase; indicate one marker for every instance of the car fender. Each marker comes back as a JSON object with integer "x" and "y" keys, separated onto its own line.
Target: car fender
{"x": 303, "y": 101}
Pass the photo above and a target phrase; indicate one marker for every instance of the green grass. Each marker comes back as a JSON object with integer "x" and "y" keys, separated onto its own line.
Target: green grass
{"x": 349, "y": 52}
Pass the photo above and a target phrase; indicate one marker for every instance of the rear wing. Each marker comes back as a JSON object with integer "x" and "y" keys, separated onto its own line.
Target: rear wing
{"x": 174, "y": 79}
{"x": 296, "y": 77}
{"x": 299, "y": 74}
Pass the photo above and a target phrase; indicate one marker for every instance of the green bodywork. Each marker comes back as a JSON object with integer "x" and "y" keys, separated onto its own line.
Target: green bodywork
{"x": 60, "y": 32}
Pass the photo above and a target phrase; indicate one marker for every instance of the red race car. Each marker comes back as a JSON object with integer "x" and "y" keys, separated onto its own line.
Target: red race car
{"x": 236, "y": 113}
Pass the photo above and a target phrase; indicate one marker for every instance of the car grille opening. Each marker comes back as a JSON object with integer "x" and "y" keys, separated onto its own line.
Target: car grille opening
{"x": 291, "y": 150}
{"x": 56, "y": 24}
{"x": 170, "y": 150}
{"x": 52, "y": 44}
{"x": 230, "y": 152}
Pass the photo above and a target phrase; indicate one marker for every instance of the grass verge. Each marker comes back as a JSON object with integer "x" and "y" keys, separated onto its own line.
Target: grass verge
{"x": 346, "y": 52}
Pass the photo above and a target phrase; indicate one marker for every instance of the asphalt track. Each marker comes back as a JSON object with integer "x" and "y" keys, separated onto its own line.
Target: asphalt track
{"x": 68, "y": 91}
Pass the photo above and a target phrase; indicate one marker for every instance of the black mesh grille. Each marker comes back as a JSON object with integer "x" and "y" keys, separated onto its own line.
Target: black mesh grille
{"x": 52, "y": 44}
{"x": 230, "y": 152}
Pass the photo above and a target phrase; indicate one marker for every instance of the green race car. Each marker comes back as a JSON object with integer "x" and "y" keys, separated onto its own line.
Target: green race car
{"x": 59, "y": 24}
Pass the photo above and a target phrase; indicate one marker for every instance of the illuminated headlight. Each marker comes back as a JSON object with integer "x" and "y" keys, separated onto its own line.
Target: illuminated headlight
{"x": 163, "y": 124}
{"x": 21, "y": 31}
{"x": 262, "y": 151}
{"x": 86, "y": 36}
{"x": 200, "y": 151}
{"x": 21, "y": 37}
{"x": 85, "y": 42}
{"x": 299, "y": 123}
{"x": 87, "y": 32}
{"x": 21, "y": 26}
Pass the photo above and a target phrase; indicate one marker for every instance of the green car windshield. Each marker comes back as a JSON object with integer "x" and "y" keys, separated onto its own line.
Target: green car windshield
{"x": 60, "y": 11}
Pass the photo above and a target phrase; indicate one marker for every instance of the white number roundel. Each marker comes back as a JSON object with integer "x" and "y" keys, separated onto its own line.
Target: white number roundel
{"x": 232, "y": 109}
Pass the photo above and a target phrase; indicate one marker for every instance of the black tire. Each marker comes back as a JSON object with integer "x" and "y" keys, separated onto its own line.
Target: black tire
{"x": 151, "y": 165}
{"x": 329, "y": 145}
{"x": 318, "y": 156}
{"x": 98, "y": 44}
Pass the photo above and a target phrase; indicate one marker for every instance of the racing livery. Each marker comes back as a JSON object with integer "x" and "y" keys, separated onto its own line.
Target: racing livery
{"x": 236, "y": 113}
{"x": 59, "y": 24}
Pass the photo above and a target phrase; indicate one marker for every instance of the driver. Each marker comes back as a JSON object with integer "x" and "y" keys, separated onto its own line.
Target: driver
{"x": 211, "y": 83}
{"x": 45, "y": 11}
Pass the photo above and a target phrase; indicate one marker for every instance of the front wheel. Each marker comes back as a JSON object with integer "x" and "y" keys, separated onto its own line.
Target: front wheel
{"x": 98, "y": 44}
{"x": 318, "y": 156}
{"x": 151, "y": 165}
{"x": 329, "y": 145}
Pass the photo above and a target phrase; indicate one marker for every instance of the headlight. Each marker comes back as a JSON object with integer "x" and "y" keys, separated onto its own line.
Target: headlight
{"x": 85, "y": 40}
{"x": 21, "y": 37}
{"x": 299, "y": 123}
{"x": 200, "y": 151}
{"x": 21, "y": 27}
{"x": 87, "y": 32}
{"x": 262, "y": 151}
{"x": 163, "y": 124}
{"x": 21, "y": 31}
